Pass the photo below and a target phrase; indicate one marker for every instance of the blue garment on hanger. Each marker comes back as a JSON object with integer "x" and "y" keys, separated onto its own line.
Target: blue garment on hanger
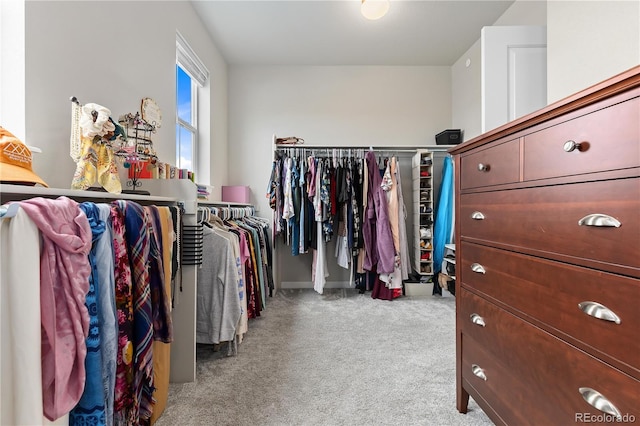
{"x": 91, "y": 407}
{"x": 444, "y": 216}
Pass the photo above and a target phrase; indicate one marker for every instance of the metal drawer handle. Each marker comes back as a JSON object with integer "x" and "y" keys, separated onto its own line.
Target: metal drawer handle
{"x": 599, "y": 311}
{"x": 483, "y": 167}
{"x": 476, "y": 267}
{"x": 475, "y": 369}
{"x": 477, "y": 319}
{"x": 599, "y": 219}
{"x": 599, "y": 402}
{"x": 477, "y": 216}
{"x": 571, "y": 146}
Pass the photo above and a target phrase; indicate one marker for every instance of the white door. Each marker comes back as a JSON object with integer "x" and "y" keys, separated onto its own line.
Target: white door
{"x": 514, "y": 73}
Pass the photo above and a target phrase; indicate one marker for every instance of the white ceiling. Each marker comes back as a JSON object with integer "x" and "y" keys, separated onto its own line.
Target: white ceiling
{"x": 333, "y": 32}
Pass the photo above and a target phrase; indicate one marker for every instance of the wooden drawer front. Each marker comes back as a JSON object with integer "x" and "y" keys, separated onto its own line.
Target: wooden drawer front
{"x": 501, "y": 162}
{"x": 550, "y": 292}
{"x": 552, "y": 369}
{"x": 609, "y": 138}
{"x": 545, "y": 219}
{"x": 515, "y": 406}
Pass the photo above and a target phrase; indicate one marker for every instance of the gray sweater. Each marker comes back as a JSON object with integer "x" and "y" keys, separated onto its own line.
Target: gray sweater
{"x": 218, "y": 307}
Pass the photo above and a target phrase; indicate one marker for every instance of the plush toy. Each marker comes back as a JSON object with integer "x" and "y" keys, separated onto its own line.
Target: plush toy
{"x": 92, "y": 137}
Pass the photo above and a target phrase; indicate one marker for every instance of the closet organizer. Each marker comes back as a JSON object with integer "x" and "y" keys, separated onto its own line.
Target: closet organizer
{"x": 90, "y": 275}
{"x": 347, "y": 203}
{"x": 235, "y": 277}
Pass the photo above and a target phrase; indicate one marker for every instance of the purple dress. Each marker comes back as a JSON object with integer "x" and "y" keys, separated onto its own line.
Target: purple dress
{"x": 379, "y": 249}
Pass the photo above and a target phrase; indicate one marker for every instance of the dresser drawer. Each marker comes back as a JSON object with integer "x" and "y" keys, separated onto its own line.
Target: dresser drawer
{"x": 499, "y": 378}
{"x": 609, "y": 139}
{"x": 545, "y": 220}
{"x": 554, "y": 370}
{"x": 496, "y": 165}
{"x": 551, "y": 293}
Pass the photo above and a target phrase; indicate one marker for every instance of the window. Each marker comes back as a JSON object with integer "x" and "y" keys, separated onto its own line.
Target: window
{"x": 191, "y": 76}
{"x": 186, "y": 125}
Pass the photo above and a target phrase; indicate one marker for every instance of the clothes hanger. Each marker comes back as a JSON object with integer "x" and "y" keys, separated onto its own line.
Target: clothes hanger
{"x": 9, "y": 211}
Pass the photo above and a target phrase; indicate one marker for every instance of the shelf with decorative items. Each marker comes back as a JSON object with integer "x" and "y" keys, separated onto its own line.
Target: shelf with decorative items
{"x": 422, "y": 168}
{"x": 137, "y": 154}
{"x": 98, "y": 144}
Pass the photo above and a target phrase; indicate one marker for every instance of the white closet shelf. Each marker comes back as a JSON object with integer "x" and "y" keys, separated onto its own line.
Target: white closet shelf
{"x": 16, "y": 192}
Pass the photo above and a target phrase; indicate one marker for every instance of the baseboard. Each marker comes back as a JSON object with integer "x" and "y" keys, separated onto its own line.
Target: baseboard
{"x": 309, "y": 284}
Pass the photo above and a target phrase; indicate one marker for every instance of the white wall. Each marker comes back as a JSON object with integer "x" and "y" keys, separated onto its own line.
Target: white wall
{"x": 466, "y": 93}
{"x": 524, "y": 12}
{"x": 590, "y": 41}
{"x": 330, "y": 105}
{"x": 113, "y": 54}
{"x": 466, "y": 80}
{"x": 12, "y": 84}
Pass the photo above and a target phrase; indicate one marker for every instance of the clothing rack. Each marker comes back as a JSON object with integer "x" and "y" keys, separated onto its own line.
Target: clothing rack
{"x": 361, "y": 148}
{"x": 224, "y": 210}
{"x": 183, "y": 348}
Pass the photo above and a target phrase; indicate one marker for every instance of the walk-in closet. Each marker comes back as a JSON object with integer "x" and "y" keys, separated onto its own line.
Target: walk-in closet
{"x": 319, "y": 213}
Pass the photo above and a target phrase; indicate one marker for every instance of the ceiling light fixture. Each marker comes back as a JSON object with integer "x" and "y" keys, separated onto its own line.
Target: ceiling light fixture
{"x": 374, "y": 9}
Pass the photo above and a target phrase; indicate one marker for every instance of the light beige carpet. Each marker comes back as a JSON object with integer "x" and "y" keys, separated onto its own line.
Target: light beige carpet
{"x": 340, "y": 358}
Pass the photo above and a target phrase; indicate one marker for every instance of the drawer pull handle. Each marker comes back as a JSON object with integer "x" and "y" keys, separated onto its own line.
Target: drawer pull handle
{"x": 475, "y": 369}
{"x": 599, "y": 219}
{"x": 478, "y": 268}
{"x": 571, "y": 146}
{"x": 483, "y": 167}
{"x": 477, "y": 319}
{"x": 477, "y": 216}
{"x": 599, "y": 311}
{"x": 599, "y": 402}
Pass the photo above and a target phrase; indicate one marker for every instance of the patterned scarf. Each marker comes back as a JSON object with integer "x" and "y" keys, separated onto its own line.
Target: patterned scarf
{"x": 123, "y": 401}
{"x": 137, "y": 237}
{"x": 162, "y": 325}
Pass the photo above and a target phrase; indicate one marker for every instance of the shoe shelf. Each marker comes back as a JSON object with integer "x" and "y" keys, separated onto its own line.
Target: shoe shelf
{"x": 423, "y": 214}
{"x": 449, "y": 261}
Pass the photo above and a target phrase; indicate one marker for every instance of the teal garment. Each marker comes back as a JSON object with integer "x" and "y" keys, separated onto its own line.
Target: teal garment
{"x": 90, "y": 410}
{"x": 444, "y": 216}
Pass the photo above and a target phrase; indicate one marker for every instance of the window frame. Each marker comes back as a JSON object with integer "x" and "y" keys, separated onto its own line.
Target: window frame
{"x": 198, "y": 73}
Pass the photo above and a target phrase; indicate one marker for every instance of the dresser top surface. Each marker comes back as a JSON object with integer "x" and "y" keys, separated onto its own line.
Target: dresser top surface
{"x": 615, "y": 85}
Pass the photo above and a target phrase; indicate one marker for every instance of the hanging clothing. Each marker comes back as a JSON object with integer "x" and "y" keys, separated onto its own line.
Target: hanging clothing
{"x": 123, "y": 398}
{"x": 218, "y": 305}
{"x": 352, "y": 200}
{"x": 160, "y": 302}
{"x": 162, "y": 350}
{"x": 444, "y": 215}
{"x": 377, "y": 232}
{"x": 91, "y": 407}
{"x": 319, "y": 270}
{"x": 405, "y": 262}
{"x": 107, "y": 310}
{"x": 85, "y": 370}
{"x": 21, "y": 398}
{"x": 64, "y": 283}
{"x": 137, "y": 237}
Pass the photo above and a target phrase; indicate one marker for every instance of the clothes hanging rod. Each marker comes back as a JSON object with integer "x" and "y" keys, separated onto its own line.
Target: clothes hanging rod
{"x": 222, "y": 204}
{"x": 397, "y": 148}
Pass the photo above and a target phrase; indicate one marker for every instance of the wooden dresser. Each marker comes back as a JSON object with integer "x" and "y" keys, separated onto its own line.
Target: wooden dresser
{"x": 548, "y": 262}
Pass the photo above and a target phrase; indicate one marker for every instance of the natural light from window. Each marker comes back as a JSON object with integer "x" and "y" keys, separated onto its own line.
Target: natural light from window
{"x": 186, "y": 127}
